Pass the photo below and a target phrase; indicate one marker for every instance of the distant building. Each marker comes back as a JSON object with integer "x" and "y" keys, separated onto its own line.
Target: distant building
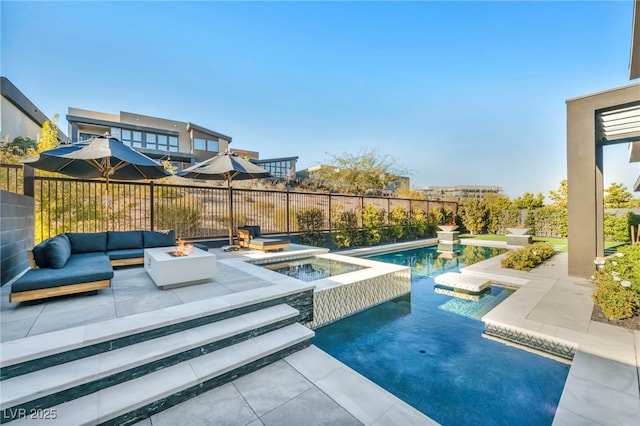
{"x": 183, "y": 143}
{"x": 459, "y": 192}
{"x": 20, "y": 116}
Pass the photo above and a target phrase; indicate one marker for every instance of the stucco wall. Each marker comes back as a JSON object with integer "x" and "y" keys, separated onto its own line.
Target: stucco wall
{"x": 14, "y": 123}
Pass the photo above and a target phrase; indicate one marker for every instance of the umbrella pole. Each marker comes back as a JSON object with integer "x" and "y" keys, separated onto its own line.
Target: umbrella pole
{"x": 107, "y": 206}
{"x": 230, "y": 211}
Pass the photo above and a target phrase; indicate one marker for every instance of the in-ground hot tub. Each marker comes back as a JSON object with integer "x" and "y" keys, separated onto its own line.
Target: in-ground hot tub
{"x": 344, "y": 285}
{"x": 312, "y": 268}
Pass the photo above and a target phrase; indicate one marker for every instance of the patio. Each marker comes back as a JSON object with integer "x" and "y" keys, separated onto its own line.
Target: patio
{"x": 602, "y": 385}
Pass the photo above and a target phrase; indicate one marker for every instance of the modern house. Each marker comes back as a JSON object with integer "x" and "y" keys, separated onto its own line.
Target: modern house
{"x": 20, "y": 116}
{"x": 594, "y": 122}
{"x": 183, "y": 143}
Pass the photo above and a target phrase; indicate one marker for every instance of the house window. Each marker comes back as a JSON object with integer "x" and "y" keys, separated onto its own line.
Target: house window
{"x": 206, "y": 144}
{"x": 150, "y": 141}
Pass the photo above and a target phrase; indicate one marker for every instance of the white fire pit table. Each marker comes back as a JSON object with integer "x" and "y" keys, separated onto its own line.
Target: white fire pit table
{"x": 169, "y": 271}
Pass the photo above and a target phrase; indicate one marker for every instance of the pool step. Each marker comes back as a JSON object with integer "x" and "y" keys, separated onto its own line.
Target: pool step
{"x": 62, "y": 382}
{"x": 470, "y": 283}
{"x": 138, "y": 398}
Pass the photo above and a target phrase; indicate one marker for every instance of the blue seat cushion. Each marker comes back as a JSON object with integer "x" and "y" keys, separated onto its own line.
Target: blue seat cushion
{"x": 58, "y": 251}
{"x": 159, "y": 238}
{"x": 121, "y": 240}
{"x": 254, "y": 230}
{"x": 40, "y": 254}
{"x": 125, "y": 254}
{"x": 87, "y": 242}
{"x": 80, "y": 268}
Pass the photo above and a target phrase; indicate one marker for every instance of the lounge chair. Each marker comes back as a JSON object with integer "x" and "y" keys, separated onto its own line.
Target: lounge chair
{"x": 249, "y": 237}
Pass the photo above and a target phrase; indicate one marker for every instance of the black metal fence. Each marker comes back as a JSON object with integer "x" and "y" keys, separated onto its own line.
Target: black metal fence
{"x": 195, "y": 212}
{"x": 11, "y": 178}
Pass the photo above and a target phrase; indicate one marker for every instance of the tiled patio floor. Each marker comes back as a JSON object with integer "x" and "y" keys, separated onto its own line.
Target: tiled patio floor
{"x": 602, "y": 386}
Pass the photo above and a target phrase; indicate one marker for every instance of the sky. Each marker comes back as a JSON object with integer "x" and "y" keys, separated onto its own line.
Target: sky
{"x": 458, "y": 93}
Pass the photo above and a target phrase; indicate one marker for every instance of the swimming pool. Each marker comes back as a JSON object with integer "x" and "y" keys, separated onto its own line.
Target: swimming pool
{"x": 428, "y": 349}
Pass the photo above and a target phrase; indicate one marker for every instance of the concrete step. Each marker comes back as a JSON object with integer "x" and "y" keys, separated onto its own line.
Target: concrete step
{"x": 137, "y": 399}
{"x": 504, "y": 280}
{"x": 26, "y": 355}
{"x": 463, "y": 282}
{"x": 60, "y": 383}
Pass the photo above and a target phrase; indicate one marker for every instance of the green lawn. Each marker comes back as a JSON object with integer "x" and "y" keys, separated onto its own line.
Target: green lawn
{"x": 559, "y": 243}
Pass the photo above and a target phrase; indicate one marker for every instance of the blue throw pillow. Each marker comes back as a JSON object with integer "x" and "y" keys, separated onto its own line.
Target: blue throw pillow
{"x": 122, "y": 240}
{"x": 40, "y": 254}
{"x": 87, "y": 242}
{"x": 58, "y": 251}
{"x": 159, "y": 238}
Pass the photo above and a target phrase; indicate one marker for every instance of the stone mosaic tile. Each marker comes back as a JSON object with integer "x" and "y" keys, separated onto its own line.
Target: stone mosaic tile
{"x": 522, "y": 337}
{"x": 334, "y": 303}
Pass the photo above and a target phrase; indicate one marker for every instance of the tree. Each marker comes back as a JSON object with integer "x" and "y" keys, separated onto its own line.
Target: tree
{"x": 49, "y": 135}
{"x": 358, "y": 173}
{"x": 473, "y": 213}
{"x": 528, "y": 201}
{"x": 496, "y": 205}
{"x": 16, "y": 150}
{"x": 559, "y": 197}
{"x": 616, "y": 196}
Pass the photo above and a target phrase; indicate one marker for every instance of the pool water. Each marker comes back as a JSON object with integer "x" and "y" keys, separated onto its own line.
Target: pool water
{"x": 312, "y": 268}
{"x": 428, "y": 349}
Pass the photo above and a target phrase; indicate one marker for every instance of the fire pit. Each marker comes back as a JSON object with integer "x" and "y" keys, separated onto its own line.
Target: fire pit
{"x": 176, "y": 267}
{"x": 181, "y": 249}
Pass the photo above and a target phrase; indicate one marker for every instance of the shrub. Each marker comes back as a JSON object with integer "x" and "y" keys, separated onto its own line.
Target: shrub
{"x": 183, "y": 214}
{"x": 617, "y": 228}
{"x": 280, "y": 219}
{"x": 418, "y": 224}
{"x": 311, "y": 224}
{"x": 618, "y": 284}
{"x": 346, "y": 224}
{"x": 372, "y": 222}
{"x": 397, "y": 221}
{"x": 528, "y": 257}
{"x": 263, "y": 205}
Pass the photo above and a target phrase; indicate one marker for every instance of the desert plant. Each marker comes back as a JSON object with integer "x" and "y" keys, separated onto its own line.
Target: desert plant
{"x": 372, "y": 223}
{"x": 528, "y": 257}
{"x": 418, "y": 224}
{"x": 397, "y": 220}
{"x": 618, "y": 284}
{"x": 280, "y": 219}
{"x": 183, "y": 214}
{"x": 311, "y": 224}
{"x": 346, "y": 224}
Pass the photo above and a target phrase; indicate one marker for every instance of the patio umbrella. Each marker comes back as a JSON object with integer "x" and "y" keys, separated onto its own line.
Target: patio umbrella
{"x": 101, "y": 156}
{"x": 225, "y": 166}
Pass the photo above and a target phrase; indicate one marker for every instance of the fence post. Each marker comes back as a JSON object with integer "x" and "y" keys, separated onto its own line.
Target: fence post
{"x": 151, "y": 201}
{"x": 287, "y": 211}
{"x": 330, "y": 215}
{"x": 28, "y": 180}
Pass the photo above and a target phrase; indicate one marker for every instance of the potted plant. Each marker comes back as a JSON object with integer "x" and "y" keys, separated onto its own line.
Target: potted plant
{"x": 518, "y": 230}
{"x": 449, "y": 227}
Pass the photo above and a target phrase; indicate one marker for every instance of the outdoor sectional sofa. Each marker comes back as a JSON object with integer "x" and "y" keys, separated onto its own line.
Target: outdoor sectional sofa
{"x": 83, "y": 262}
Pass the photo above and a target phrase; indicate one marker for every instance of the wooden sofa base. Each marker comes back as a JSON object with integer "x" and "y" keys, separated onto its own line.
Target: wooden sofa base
{"x": 44, "y": 293}
{"x": 128, "y": 262}
{"x": 271, "y": 247}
